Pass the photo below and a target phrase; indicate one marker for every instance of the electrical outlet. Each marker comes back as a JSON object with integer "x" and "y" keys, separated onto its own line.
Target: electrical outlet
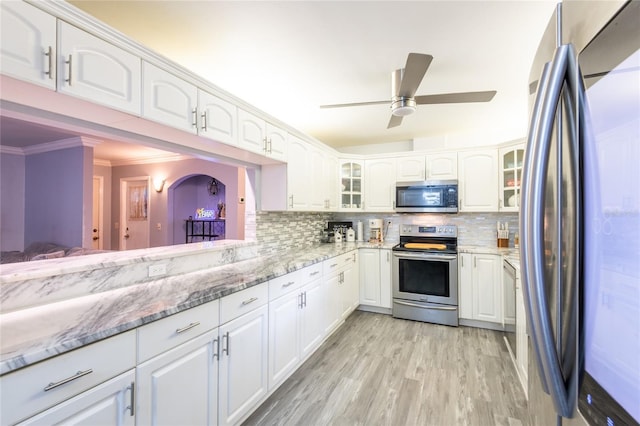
{"x": 156, "y": 270}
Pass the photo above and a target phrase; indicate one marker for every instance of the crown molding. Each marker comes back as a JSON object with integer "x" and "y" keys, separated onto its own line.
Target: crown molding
{"x": 61, "y": 144}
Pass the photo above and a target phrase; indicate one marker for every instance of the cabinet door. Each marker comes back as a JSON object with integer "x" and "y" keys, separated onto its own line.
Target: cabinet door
{"x": 351, "y": 185}
{"x": 277, "y": 142}
{"x": 169, "y": 99}
{"x": 315, "y": 184}
{"x": 385, "y": 278}
{"x": 522, "y": 339}
{"x": 352, "y": 284}
{"x": 508, "y": 290}
{"x": 442, "y": 166}
{"x": 511, "y": 160}
{"x": 98, "y": 71}
{"x": 162, "y": 382}
{"x": 243, "y": 365}
{"x": 109, "y": 403}
{"x": 487, "y": 288}
{"x": 465, "y": 286}
{"x": 478, "y": 180}
{"x": 251, "y": 132}
{"x": 297, "y": 175}
{"x": 380, "y": 185}
{"x": 311, "y": 316}
{"x": 284, "y": 353}
{"x": 410, "y": 169}
{"x": 28, "y": 43}
{"x": 333, "y": 308}
{"x": 218, "y": 118}
{"x": 330, "y": 177}
{"x": 370, "y": 277}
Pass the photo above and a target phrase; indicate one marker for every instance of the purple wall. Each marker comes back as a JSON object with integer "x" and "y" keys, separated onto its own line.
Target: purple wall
{"x": 56, "y": 185}
{"x": 12, "y": 181}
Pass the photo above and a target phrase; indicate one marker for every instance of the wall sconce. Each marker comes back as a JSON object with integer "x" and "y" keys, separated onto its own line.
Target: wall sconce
{"x": 158, "y": 184}
{"x": 212, "y": 186}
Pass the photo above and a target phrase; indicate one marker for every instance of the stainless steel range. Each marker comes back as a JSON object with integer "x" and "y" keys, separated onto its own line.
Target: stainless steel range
{"x": 425, "y": 274}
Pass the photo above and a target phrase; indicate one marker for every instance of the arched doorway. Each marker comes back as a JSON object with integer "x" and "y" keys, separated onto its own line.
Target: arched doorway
{"x": 199, "y": 209}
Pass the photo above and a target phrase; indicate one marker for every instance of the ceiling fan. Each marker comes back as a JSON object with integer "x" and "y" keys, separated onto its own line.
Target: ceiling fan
{"x": 404, "y": 84}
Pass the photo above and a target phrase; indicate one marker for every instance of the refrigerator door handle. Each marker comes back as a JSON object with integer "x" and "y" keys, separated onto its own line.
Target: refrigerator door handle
{"x": 532, "y": 226}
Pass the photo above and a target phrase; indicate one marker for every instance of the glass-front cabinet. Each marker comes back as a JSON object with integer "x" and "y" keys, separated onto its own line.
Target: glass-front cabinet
{"x": 511, "y": 160}
{"x": 351, "y": 173}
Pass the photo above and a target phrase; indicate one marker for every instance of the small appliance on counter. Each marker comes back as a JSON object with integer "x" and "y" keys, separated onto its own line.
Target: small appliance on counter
{"x": 333, "y": 228}
{"x": 375, "y": 231}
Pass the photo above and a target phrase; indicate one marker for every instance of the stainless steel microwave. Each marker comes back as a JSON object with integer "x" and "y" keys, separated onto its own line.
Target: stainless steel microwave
{"x": 431, "y": 196}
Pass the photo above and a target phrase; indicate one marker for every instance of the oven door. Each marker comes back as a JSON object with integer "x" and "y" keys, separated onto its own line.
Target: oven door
{"x": 425, "y": 277}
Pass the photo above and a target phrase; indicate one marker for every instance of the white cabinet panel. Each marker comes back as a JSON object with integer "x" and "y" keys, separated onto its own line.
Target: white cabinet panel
{"x": 98, "y": 71}
{"x": 27, "y": 43}
{"x": 442, "y": 166}
{"x": 277, "y": 143}
{"x": 480, "y": 282}
{"x": 284, "y": 337}
{"x": 169, "y": 99}
{"x": 314, "y": 183}
{"x": 380, "y": 185}
{"x": 478, "y": 180}
{"x": 465, "y": 290}
{"x": 163, "y": 381}
{"x": 218, "y": 118}
{"x": 251, "y": 132}
{"x": 375, "y": 277}
{"x": 109, "y": 403}
{"x": 298, "y": 192}
{"x": 311, "y": 318}
{"x": 243, "y": 365}
{"x": 511, "y": 161}
{"x": 410, "y": 169}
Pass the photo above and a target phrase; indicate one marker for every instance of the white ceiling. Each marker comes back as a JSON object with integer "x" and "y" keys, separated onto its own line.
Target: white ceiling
{"x": 289, "y": 57}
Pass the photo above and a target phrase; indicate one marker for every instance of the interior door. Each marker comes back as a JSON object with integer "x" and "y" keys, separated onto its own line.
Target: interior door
{"x": 96, "y": 225}
{"x": 134, "y": 213}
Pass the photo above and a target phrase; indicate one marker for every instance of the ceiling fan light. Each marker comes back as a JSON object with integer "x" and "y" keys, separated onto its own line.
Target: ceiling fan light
{"x": 403, "y": 106}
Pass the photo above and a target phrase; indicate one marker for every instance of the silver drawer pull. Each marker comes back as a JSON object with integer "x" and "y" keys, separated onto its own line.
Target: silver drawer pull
{"x": 188, "y": 327}
{"x": 68, "y": 379}
{"x": 246, "y": 302}
{"x": 314, "y": 273}
{"x": 334, "y": 265}
{"x": 289, "y": 284}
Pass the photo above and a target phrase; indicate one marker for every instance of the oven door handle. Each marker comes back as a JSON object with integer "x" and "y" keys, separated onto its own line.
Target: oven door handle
{"x": 416, "y": 305}
{"x": 424, "y": 256}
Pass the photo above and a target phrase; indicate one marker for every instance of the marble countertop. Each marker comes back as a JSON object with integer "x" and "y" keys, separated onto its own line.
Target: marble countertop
{"x": 35, "y": 334}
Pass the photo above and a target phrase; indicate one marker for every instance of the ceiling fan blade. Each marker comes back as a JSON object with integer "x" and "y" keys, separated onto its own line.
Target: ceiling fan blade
{"x": 395, "y": 121}
{"x": 414, "y": 70}
{"x": 452, "y": 98}
{"x": 355, "y": 104}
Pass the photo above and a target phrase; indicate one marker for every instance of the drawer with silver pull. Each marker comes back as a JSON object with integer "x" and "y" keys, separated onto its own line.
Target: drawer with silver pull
{"x": 338, "y": 263}
{"x": 244, "y": 301}
{"x": 285, "y": 284}
{"x": 162, "y": 335}
{"x": 33, "y": 389}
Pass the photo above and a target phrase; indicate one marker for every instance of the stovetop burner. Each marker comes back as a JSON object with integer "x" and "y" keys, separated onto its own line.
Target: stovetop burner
{"x": 428, "y": 238}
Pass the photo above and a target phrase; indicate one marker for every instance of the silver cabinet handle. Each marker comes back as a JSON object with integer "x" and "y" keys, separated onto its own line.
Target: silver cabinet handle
{"x": 462, "y": 261}
{"x": 246, "y": 302}
{"x": 270, "y": 145}
{"x": 188, "y": 327}
{"x": 49, "y": 55}
{"x": 300, "y": 300}
{"x": 289, "y": 284}
{"x": 334, "y": 265}
{"x": 204, "y": 120}
{"x": 194, "y": 114}
{"x": 416, "y": 305}
{"x": 314, "y": 273}
{"x": 291, "y": 201}
{"x": 305, "y": 299}
{"x": 475, "y": 262}
{"x": 70, "y": 63}
{"x": 132, "y": 400}
{"x": 225, "y": 348}
{"x": 216, "y": 348}
{"x": 79, "y": 374}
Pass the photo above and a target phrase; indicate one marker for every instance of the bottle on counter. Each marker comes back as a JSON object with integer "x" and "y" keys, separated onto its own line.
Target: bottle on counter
{"x": 351, "y": 235}
{"x": 337, "y": 237}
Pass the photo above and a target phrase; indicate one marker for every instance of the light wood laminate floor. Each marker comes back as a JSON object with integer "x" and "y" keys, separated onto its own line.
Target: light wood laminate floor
{"x": 378, "y": 370}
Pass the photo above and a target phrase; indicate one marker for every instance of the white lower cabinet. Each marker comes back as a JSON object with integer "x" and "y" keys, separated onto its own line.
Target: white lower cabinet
{"x": 375, "y": 277}
{"x": 480, "y": 285}
{"x": 243, "y": 365}
{"x": 339, "y": 279}
{"x": 111, "y": 403}
{"x": 162, "y": 382}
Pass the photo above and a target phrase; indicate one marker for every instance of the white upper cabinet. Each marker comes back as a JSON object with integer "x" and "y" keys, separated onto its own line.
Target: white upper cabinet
{"x": 442, "y": 166}
{"x": 98, "y": 71}
{"x": 410, "y": 169}
{"x": 315, "y": 184}
{"x": 351, "y": 187}
{"x": 169, "y": 99}
{"x": 511, "y": 160}
{"x": 27, "y": 43}
{"x": 380, "y": 185}
{"x": 330, "y": 179}
{"x": 478, "y": 181}
{"x": 218, "y": 118}
{"x": 298, "y": 168}
{"x": 277, "y": 143}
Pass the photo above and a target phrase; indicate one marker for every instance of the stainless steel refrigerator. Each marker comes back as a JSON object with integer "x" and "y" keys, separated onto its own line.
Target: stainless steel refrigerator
{"x": 580, "y": 217}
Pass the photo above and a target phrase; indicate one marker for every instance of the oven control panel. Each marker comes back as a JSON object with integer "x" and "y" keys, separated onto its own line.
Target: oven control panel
{"x": 412, "y": 230}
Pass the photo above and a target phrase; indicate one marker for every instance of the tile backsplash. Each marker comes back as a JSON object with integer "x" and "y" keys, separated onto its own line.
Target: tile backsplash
{"x": 277, "y": 231}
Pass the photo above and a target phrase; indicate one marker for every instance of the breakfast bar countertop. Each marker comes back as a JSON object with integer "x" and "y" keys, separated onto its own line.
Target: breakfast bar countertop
{"x": 35, "y": 333}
